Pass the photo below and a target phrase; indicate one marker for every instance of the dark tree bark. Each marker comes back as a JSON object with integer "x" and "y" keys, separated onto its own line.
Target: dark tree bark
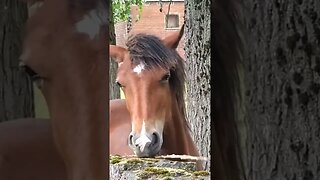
{"x": 282, "y": 80}
{"x": 16, "y": 92}
{"x": 114, "y": 90}
{"x": 198, "y": 54}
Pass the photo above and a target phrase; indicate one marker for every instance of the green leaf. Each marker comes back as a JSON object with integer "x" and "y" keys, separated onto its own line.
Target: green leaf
{"x": 121, "y": 9}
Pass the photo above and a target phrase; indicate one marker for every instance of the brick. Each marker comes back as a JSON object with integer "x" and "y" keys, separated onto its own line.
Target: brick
{"x": 152, "y": 21}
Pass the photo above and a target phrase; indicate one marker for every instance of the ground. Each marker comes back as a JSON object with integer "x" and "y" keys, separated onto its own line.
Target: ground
{"x": 153, "y": 168}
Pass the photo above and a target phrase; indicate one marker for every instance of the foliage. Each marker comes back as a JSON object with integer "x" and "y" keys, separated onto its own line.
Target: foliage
{"x": 121, "y": 9}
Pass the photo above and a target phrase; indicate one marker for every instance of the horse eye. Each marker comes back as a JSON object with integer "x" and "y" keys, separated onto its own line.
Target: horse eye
{"x": 165, "y": 77}
{"x": 119, "y": 84}
{"x": 34, "y": 76}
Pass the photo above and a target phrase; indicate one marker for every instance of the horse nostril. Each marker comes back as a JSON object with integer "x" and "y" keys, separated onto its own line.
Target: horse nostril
{"x": 130, "y": 139}
{"x": 155, "y": 138}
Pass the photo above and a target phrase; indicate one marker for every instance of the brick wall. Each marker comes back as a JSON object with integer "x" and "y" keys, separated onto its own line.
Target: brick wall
{"x": 152, "y": 21}
{"x": 121, "y": 33}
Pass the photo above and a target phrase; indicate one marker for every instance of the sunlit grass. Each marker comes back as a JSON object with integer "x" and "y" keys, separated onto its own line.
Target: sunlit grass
{"x": 41, "y": 109}
{"x": 122, "y": 94}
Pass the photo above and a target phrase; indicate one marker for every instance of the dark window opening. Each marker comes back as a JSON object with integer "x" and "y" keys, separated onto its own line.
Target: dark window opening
{"x": 172, "y": 21}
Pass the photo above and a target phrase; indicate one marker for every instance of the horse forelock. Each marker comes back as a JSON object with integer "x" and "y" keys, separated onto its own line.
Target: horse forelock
{"x": 150, "y": 51}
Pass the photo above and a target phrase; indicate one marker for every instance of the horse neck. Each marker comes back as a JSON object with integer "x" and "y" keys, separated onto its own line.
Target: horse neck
{"x": 177, "y": 139}
{"x": 78, "y": 111}
{"x": 78, "y": 97}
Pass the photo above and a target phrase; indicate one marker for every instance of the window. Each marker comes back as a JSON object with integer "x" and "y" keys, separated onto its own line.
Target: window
{"x": 172, "y": 21}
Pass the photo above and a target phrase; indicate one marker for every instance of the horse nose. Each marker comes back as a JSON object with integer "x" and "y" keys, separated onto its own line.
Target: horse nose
{"x": 146, "y": 144}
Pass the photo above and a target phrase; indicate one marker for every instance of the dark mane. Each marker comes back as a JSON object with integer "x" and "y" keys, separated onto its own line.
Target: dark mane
{"x": 148, "y": 49}
{"x": 227, "y": 50}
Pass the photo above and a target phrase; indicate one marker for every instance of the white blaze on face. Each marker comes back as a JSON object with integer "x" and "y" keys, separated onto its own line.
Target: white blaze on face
{"x": 33, "y": 8}
{"x": 143, "y": 140}
{"x": 91, "y": 22}
{"x": 139, "y": 68}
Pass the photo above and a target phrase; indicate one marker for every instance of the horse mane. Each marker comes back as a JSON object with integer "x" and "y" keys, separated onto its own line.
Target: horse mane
{"x": 228, "y": 50}
{"x": 149, "y": 49}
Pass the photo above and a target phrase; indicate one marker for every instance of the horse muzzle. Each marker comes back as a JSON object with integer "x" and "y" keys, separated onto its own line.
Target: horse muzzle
{"x": 146, "y": 144}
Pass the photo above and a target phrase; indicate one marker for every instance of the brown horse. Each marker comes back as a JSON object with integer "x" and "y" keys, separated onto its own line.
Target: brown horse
{"x": 27, "y": 151}
{"x": 151, "y": 75}
{"x": 64, "y": 46}
{"x": 228, "y": 51}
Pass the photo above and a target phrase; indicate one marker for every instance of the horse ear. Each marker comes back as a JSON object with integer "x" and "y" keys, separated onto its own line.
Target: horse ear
{"x": 173, "y": 39}
{"x": 117, "y": 53}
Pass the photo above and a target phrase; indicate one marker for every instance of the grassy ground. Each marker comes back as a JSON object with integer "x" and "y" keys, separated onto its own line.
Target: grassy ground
{"x": 152, "y": 168}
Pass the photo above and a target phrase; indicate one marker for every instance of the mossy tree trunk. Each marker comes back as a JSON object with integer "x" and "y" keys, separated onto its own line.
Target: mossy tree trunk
{"x": 114, "y": 90}
{"x": 198, "y": 54}
{"x": 282, "y": 80}
{"x": 16, "y": 90}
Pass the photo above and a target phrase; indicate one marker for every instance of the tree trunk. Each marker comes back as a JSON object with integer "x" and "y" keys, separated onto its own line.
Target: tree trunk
{"x": 16, "y": 90}
{"x": 114, "y": 90}
{"x": 198, "y": 53}
{"x": 282, "y": 80}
